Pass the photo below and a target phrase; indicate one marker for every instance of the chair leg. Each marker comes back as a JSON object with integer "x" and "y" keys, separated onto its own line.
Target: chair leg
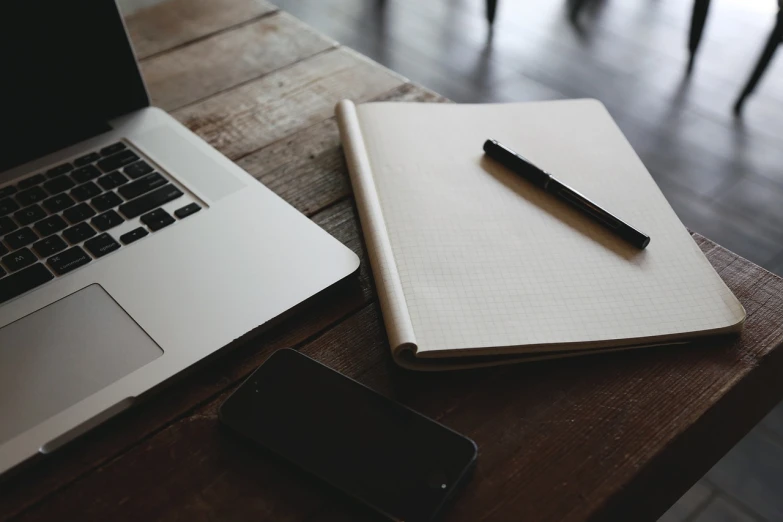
{"x": 698, "y": 19}
{"x": 576, "y": 8}
{"x": 773, "y": 42}
{"x": 492, "y": 6}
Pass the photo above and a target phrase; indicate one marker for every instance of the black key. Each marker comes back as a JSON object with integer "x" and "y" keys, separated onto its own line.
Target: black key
{"x": 7, "y": 225}
{"x": 101, "y": 245}
{"x": 106, "y": 220}
{"x": 50, "y": 245}
{"x": 29, "y": 214}
{"x": 138, "y": 169}
{"x": 150, "y": 201}
{"x": 120, "y": 159}
{"x": 4, "y": 250}
{"x": 187, "y": 210}
{"x": 58, "y": 203}
{"x": 7, "y": 206}
{"x": 86, "y": 191}
{"x": 133, "y": 235}
{"x": 111, "y": 149}
{"x": 19, "y": 259}
{"x": 112, "y": 180}
{"x": 85, "y": 174}
{"x": 50, "y": 225}
{"x": 78, "y": 233}
{"x": 19, "y": 238}
{"x": 157, "y": 219}
{"x": 86, "y": 159}
{"x": 22, "y": 281}
{"x": 7, "y": 191}
{"x": 79, "y": 213}
{"x": 57, "y": 185}
{"x": 2, "y": 272}
{"x": 31, "y": 181}
{"x": 30, "y": 196}
{"x": 59, "y": 170}
{"x": 140, "y": 186}
{"x": 71, "y": 259}
{"x": 106, "y": 201}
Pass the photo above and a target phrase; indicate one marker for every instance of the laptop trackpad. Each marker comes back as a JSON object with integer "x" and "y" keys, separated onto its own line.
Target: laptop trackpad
{"x": 63, "y": 353}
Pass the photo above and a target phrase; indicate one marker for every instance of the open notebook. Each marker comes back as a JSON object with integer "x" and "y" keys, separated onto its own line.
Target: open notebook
{"x": 475, "y": 266}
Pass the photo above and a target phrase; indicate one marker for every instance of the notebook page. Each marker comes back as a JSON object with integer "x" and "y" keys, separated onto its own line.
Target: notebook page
{"x": 487, "y": 260}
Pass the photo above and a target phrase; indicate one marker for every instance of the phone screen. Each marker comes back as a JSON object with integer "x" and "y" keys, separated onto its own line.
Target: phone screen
{"x": 384, "y": 454}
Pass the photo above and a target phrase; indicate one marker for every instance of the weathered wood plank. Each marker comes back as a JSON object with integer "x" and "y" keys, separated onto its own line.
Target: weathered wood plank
{"x": 566, "y": 436}
{"x": 227, "y": 59}
{"x": 258, "y": 113}
{"x": 308, "y": 169}
{"x": 168, "y": 24}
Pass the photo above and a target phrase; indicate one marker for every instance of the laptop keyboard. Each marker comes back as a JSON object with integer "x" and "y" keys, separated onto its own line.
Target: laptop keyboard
{"x": 56, "y": 221}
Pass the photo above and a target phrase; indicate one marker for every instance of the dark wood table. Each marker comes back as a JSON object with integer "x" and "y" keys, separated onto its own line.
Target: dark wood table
{"x": 607, "y": 437}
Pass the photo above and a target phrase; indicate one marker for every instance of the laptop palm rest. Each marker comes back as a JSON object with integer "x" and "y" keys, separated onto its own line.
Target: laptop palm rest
{"x": 63, "y": 353}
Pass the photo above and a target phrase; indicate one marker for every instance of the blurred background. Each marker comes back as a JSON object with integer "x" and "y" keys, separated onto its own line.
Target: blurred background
{"x": 723, "y": 174}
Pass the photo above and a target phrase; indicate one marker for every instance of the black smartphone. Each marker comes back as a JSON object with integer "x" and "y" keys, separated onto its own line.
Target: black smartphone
{"x": 398, "y": 462}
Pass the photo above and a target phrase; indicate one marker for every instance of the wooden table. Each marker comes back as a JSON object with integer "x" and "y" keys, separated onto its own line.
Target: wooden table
{"x": 612, "y": 437}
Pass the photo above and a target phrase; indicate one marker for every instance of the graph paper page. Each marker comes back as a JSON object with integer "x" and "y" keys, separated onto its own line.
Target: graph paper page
{"x": 487, "y": 260}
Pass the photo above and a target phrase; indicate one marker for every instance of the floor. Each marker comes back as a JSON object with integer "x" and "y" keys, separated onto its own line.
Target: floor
{"x": 723, "y": 176}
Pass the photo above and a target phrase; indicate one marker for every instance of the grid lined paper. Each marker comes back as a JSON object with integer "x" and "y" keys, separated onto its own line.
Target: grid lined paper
{"x": 487, "y": 260}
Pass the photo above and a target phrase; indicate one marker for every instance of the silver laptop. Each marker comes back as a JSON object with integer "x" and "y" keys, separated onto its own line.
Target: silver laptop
{"x": 129, "y": 248}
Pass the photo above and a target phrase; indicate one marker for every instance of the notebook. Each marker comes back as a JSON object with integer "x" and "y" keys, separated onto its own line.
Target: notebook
{"x": 474, "y": 266}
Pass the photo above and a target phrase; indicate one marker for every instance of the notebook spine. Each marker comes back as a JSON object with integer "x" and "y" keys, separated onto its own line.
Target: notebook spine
{"x": 392, "y": 299}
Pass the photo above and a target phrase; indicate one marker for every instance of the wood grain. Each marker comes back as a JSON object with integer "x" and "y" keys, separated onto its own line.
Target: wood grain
{"x": 169, "y": 24}
{"x": 308, "y": 169}
{"x": 255, "y": 114}
{"x": 227, "y": 59}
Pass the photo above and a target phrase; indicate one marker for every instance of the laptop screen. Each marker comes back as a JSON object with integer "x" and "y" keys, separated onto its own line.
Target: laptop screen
{"x": 66, "y": 68}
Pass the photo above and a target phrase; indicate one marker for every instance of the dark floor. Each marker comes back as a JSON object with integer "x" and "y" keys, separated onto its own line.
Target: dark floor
{"x": 724, "y": 177}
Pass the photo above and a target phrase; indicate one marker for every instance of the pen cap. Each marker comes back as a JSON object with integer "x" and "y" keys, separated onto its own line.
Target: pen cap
{"x": 516, "y": 163}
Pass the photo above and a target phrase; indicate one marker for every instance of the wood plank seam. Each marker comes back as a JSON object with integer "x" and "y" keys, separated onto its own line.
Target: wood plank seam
{"x": 251, "y": 50}
{"x": 329, "y": 205}
{"x": 305, "y": 128}
{"x": 251, "y": 80}
{"x": 203, "y": 37}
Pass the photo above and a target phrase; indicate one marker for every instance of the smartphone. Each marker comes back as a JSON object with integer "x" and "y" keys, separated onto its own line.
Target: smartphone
{"x": 400, "y": 463}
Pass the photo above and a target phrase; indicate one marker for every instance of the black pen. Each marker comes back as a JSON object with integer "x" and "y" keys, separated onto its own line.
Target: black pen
{"x": 519, "y": 165}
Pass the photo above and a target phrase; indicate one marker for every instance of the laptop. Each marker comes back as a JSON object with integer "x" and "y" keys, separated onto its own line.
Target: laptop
{"x": 129, "y": 248}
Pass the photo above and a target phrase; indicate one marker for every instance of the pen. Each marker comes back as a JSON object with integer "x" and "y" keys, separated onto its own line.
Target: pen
{"x": 519, "y": 165}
